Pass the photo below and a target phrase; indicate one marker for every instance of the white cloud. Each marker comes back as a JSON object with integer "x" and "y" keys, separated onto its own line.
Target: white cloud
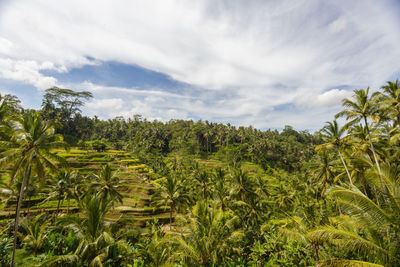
{"x": 259, "y": 54}
{"x": 26, "y": 71}
{"x": 338, "y": 25}
{"x": 332, "y": 98}
{"x": 5, "y": 46}
{"x": 105, "y": 107}
{"x": 329, "y": 99}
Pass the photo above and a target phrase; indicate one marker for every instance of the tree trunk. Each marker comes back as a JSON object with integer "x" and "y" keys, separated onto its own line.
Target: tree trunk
{"x": 29, "y": 204}
{"x": 170, "y": 219}
{"x": 16, "y": 222}
{"x": 364, "y": 183}
{"x": 316, "y": 254}
{"x": 58, "y": 206}
{"x": 372, "y": 147}
{"x": 68, "y": 206}
{"x": 345, "y": 166}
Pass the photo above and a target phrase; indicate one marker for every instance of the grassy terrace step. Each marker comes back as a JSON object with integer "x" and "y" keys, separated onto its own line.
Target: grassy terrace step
{"x": 11, "y": 215}
{"x": 135, "y": 202}
{"x": 142, "y": 211}
{"x": 25, "y": 203}
{"x": 136, "y": 191}
{"x": 140, "y": 221}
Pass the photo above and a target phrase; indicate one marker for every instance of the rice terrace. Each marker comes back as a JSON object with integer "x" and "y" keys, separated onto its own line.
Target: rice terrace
{"x": 199, "y": 133}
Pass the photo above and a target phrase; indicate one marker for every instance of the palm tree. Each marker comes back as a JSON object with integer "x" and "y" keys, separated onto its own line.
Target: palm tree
{"x": 72, "y": 180}
{"x": 324, "y": 170}
{"x": 220, "y": 187}
{"x": 97, "y": 243}
{"x": 297, "y": 228}
{"x": 170, "y": 193}
{"x": 211, "y": 235}
{"x": 375, "y": 228}
{"x": 29, "y": 151}
{"x": 156, "y": 247}
{"x": 106, "y": 185}
{"x": 4, "y": 110}
{"x": 242, "y": 185}
{"x": 332, "y": 136}
{"x": 203, "y": 180}
{"x": 244, "y": 201}
{"x": 391, "y": 101}
{"x": 60, "y": 188}
{"x": 35, "y": 229}
{"x": 362, "y": 107}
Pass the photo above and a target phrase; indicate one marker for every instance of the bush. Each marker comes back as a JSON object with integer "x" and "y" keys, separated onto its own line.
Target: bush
{"x": 99, "y": 145}
{"x": 5, "y": 251}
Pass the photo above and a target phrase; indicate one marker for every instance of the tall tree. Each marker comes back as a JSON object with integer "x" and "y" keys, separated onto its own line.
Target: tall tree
{"x": 170, "y": 193}
{"x": 211, "y": 235}
{"x": 28, "y": 152}
{"x": 62, "y": 105}
{"x": 361, "y": 107}
{"x": 97, "y": 243}
{"x": 332, "y": 135}
{"x": 391, "y": 101}
{"x": 373, "y": 228}
{"x": 106, "y": 186}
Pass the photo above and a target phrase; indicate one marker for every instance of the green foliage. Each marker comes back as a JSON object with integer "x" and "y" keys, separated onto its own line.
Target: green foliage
{"x": 217, "y": 195}
{"x": 5, "y": 251}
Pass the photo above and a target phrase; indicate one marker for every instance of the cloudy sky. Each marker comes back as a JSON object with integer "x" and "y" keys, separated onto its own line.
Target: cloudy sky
{"x": 262, "y": 63}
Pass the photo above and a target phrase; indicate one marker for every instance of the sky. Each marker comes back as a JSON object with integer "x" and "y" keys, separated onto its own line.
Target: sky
{"x": 265, "y": 63}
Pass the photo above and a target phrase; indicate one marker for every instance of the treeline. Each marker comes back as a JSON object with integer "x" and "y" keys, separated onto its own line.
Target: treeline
{"x": 269, "y": 148}
{"x": 331, "y": 199}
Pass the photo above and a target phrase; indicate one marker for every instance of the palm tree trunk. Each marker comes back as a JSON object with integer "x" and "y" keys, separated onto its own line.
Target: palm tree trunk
{"x": 58, "y": 206}
{"x": 20, "y": 197}
{"x": 345, "y": 166}
{"x": 68, "y": 206}
{"x": 316, "y": 254}
{"x": 29, "y": 204}
{"x": 372, "y": 147}
{"x": 170, "y": 219}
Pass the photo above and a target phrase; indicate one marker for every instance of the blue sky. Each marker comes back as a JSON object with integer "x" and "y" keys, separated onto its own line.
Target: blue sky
{"x": 261, "y": 63}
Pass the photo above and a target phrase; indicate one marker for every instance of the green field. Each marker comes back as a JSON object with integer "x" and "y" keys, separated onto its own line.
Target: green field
{"x": 136, "y": 188}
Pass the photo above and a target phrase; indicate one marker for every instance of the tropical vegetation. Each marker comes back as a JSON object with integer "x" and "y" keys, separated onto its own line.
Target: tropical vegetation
{"x": 81, "y": 191}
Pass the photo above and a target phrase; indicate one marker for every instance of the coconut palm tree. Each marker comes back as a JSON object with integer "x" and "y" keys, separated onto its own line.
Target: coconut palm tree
{"x": 375, "y": 227}
{"x": 202, "y": 178}
{"x": 156, "y": 246}
{"x": 323, "y": 168}
{"x": 391, "y": 101}
{"x": 220, "y": 187}
{"x": 170, "y": 192}
{"x": 28, "y": 152}
{"x": 60, "y": 188}
{"x": 242, "y": 186}
{"x": 332, "y": 135}
{"x": 3, "y": 114}
{"x": 35, "y": 233}
{"x": 298, "y": 229}
{"x": 211, "y": 235}
{"x": 106, "y": 185}
{"x": 361, "y": 107}
{"x": 97, "y": 244}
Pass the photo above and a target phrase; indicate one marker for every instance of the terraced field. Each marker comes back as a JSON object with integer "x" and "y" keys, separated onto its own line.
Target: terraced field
{"x": 135, "y": 188}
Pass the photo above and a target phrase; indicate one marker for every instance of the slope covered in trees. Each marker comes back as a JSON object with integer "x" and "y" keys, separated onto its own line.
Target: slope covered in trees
{"x": 212, "y": 194}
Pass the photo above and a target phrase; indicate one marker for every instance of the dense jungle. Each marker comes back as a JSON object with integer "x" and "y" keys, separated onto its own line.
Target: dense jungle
{"x": 82, "y": 191}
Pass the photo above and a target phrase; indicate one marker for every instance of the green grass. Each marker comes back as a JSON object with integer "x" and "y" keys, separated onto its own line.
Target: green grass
{"x": 26, "y": 258}
{"x": 135, "y": 191}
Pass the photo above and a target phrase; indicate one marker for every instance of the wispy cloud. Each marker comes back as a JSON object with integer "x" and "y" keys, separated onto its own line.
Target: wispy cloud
{"x": 240, "y": 59}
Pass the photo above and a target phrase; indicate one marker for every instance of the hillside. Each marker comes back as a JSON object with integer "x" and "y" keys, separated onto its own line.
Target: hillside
{"x": 135, "y": 187}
